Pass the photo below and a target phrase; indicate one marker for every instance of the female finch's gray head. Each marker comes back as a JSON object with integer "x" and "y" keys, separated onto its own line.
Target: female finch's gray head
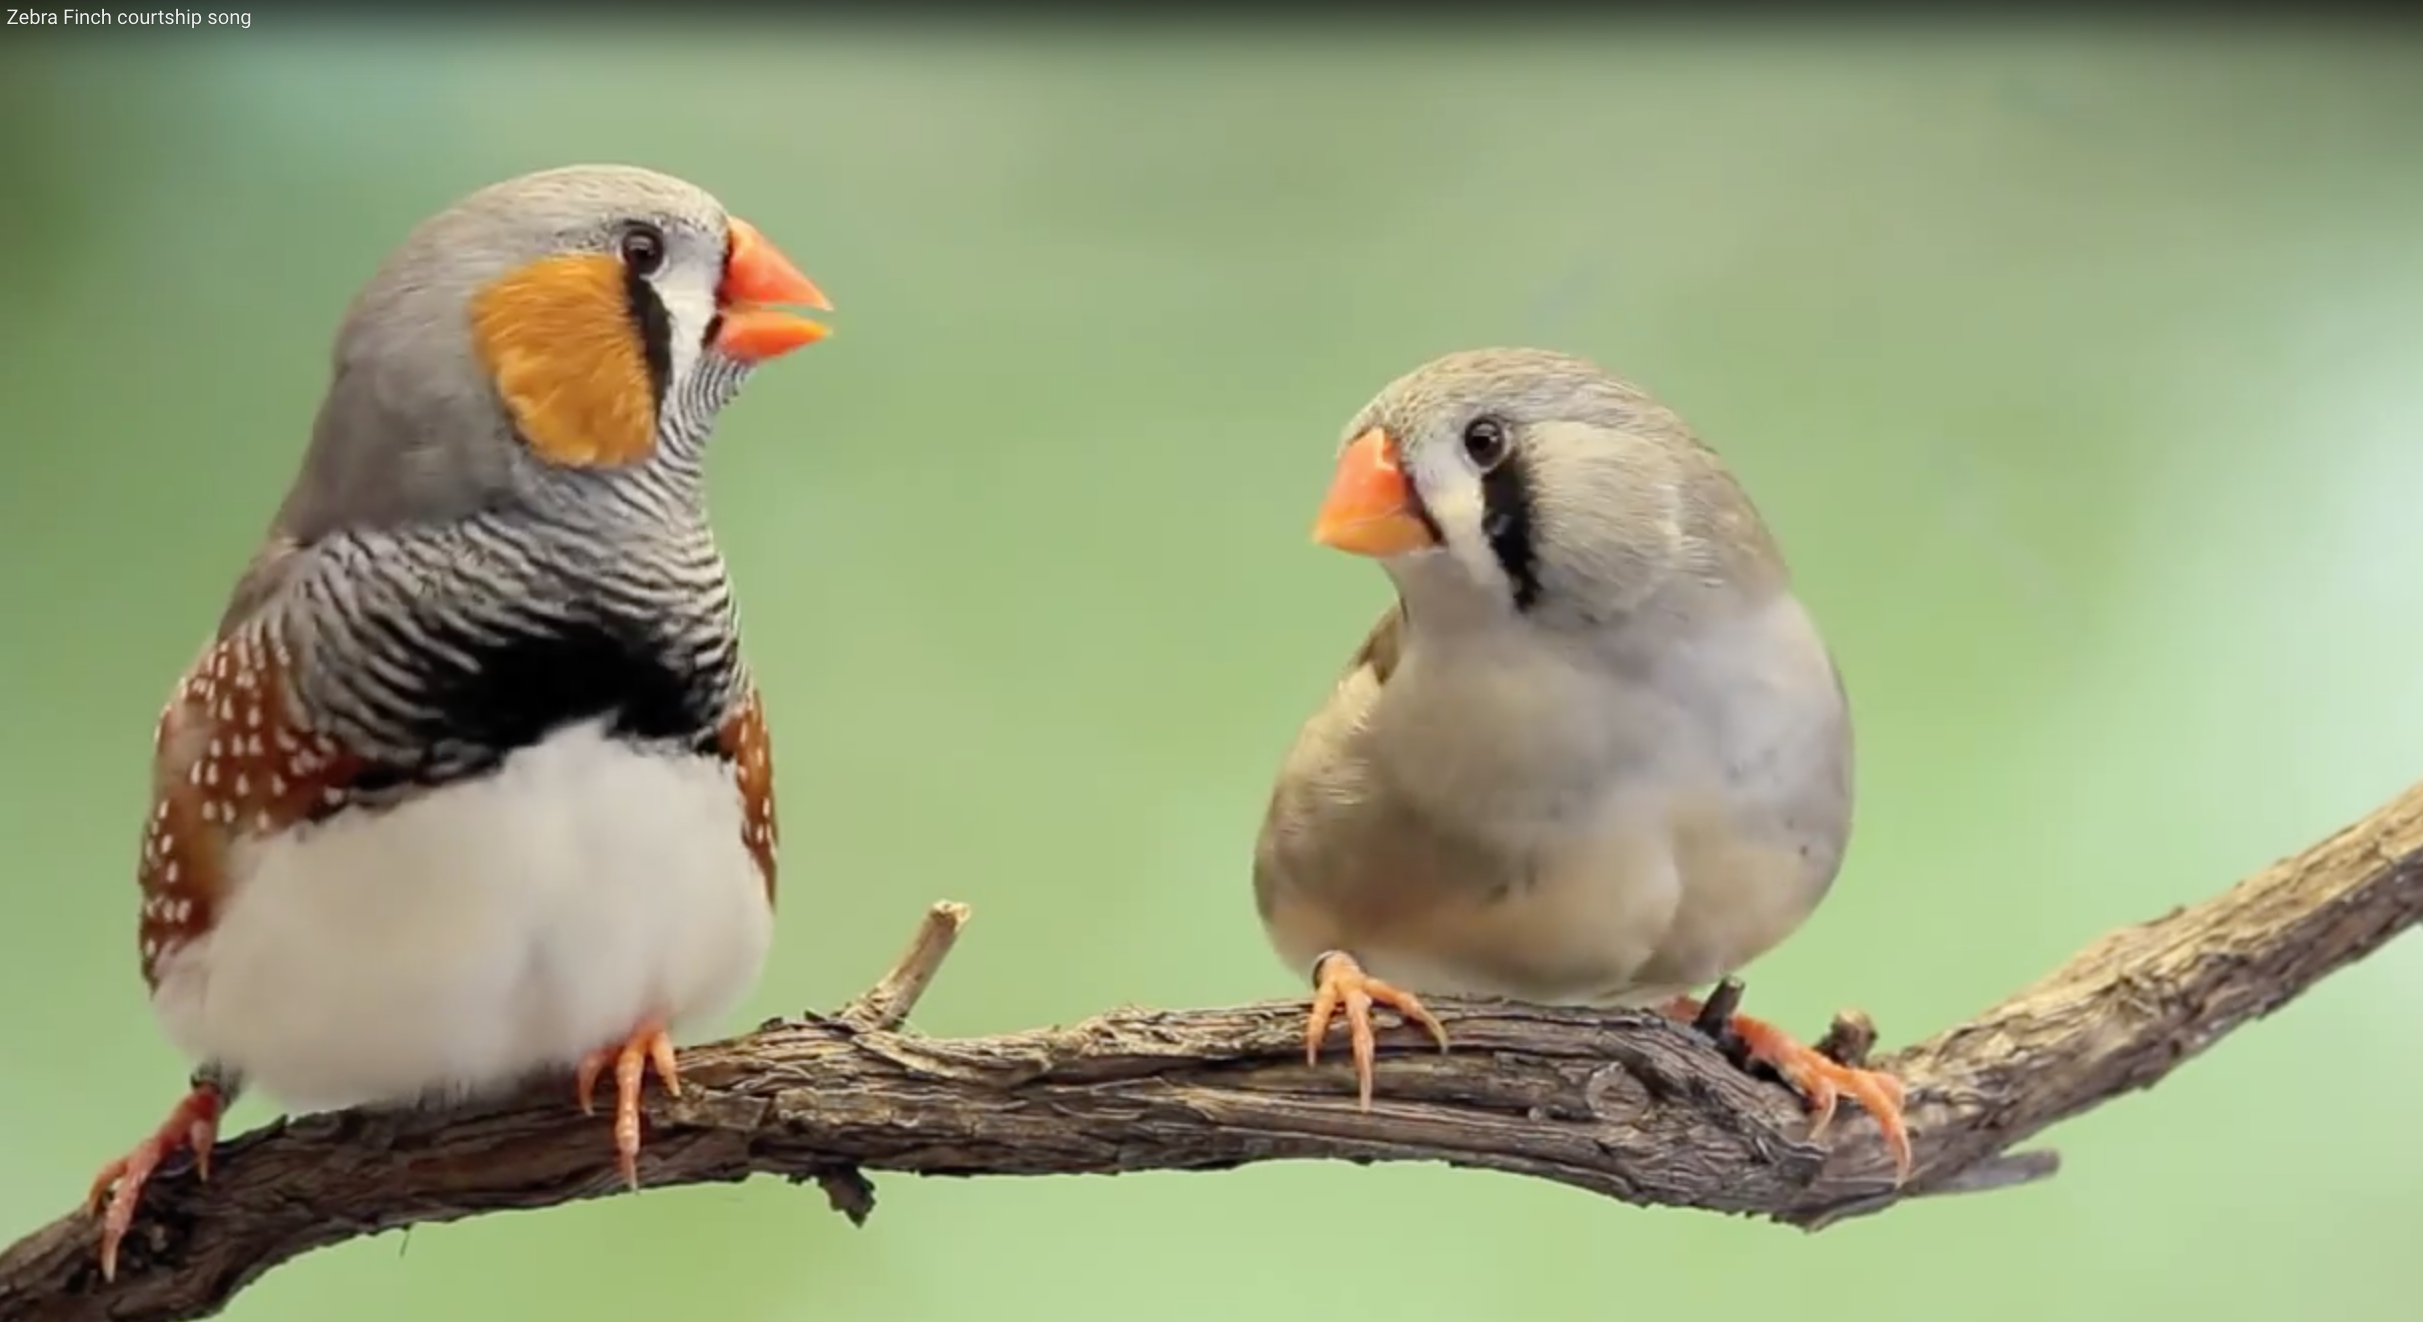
{"x": 1534, "y": 484}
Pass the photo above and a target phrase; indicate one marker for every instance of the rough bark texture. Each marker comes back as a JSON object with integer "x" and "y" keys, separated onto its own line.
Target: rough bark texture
{"x": 1628, "y": 1105}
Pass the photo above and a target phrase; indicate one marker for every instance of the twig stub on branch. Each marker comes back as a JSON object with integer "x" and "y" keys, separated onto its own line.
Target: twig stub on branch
{"x": 1630, "y": 1105}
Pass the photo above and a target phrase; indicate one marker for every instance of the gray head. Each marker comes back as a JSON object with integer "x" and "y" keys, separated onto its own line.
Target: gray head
{"x": 1523, "y": 483}
{"x": 565, "y": 327}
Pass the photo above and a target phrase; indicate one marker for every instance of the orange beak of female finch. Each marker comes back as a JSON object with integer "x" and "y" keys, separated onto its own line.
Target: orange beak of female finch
{"x": 758, "y": 279}
{"x": 1371, "y": 508}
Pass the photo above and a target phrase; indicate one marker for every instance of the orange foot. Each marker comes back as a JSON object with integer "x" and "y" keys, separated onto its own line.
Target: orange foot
{"x": 193, "y": 1124}
{"x": 647, "y": 1045}
{"x": 1820, "y": 1079}
{"x": 1338, "y": 980}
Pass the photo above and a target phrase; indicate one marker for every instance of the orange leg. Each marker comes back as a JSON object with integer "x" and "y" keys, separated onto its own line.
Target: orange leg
{"x": 646, "y": 1046}
{"x": 1338, "y": 981}
{"x": 1820, "y": 1079}
{"x": 192, "y": 1124}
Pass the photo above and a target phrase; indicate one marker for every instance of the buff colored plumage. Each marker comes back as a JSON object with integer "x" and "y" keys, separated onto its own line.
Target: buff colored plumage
{"x": 1597, "y": 753}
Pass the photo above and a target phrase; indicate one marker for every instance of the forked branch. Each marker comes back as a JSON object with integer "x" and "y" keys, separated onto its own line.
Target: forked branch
{"x": 1628, "y": 1105}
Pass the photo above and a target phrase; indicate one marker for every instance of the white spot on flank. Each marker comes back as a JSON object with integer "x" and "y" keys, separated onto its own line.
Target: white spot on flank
{"x": 168, "y": 874}
{"x": 243, "y": 785}
{"x": 470, "y": 935}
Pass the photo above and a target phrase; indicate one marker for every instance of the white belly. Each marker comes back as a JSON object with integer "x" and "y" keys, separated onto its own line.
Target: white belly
{"x": 467, "y": 939}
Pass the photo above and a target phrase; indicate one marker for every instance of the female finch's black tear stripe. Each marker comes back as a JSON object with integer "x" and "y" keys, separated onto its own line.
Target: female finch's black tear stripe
{"x": 1506, "y": 520}
{"x": 655, "y": 328}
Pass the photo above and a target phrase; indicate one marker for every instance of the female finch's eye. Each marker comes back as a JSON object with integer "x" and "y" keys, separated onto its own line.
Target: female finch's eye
{"x": 1485, "y": 443}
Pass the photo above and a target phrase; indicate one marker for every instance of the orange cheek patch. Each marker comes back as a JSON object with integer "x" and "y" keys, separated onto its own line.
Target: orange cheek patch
{"x": 559, "y": 340}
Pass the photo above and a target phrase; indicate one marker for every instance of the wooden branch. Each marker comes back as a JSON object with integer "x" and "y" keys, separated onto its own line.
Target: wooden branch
{"x": 1625, "y": 1104}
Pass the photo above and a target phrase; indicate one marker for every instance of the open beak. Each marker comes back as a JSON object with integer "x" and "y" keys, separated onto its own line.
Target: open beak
{"x": 1370, "y": 509}
{"x": 758, "y": 278}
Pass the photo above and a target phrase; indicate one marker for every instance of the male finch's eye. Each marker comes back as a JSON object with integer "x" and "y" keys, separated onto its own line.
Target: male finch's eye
{"x": 643, "y": 249}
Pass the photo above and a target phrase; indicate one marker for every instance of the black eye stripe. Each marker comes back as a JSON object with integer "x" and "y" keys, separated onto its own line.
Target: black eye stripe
{"x": 1507, "y": 522}
{"x": 642, "y": 249}
{"x": 655, "y": 327}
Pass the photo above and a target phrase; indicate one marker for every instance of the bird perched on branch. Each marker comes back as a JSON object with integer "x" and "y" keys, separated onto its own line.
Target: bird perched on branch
{"x": 1597, "y": 752}
{"x": 472, "y": 782}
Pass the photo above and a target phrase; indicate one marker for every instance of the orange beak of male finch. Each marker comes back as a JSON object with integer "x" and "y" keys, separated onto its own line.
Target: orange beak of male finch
{"x": 757, "y": 277}
{"x": 1371, "y": 508}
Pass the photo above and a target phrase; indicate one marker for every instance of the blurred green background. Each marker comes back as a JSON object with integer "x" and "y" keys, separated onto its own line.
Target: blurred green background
{"x": 2081, "y": 373}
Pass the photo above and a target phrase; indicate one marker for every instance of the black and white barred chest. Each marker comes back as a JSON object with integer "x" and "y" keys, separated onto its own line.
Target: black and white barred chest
{"x": 437, "y": 658}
